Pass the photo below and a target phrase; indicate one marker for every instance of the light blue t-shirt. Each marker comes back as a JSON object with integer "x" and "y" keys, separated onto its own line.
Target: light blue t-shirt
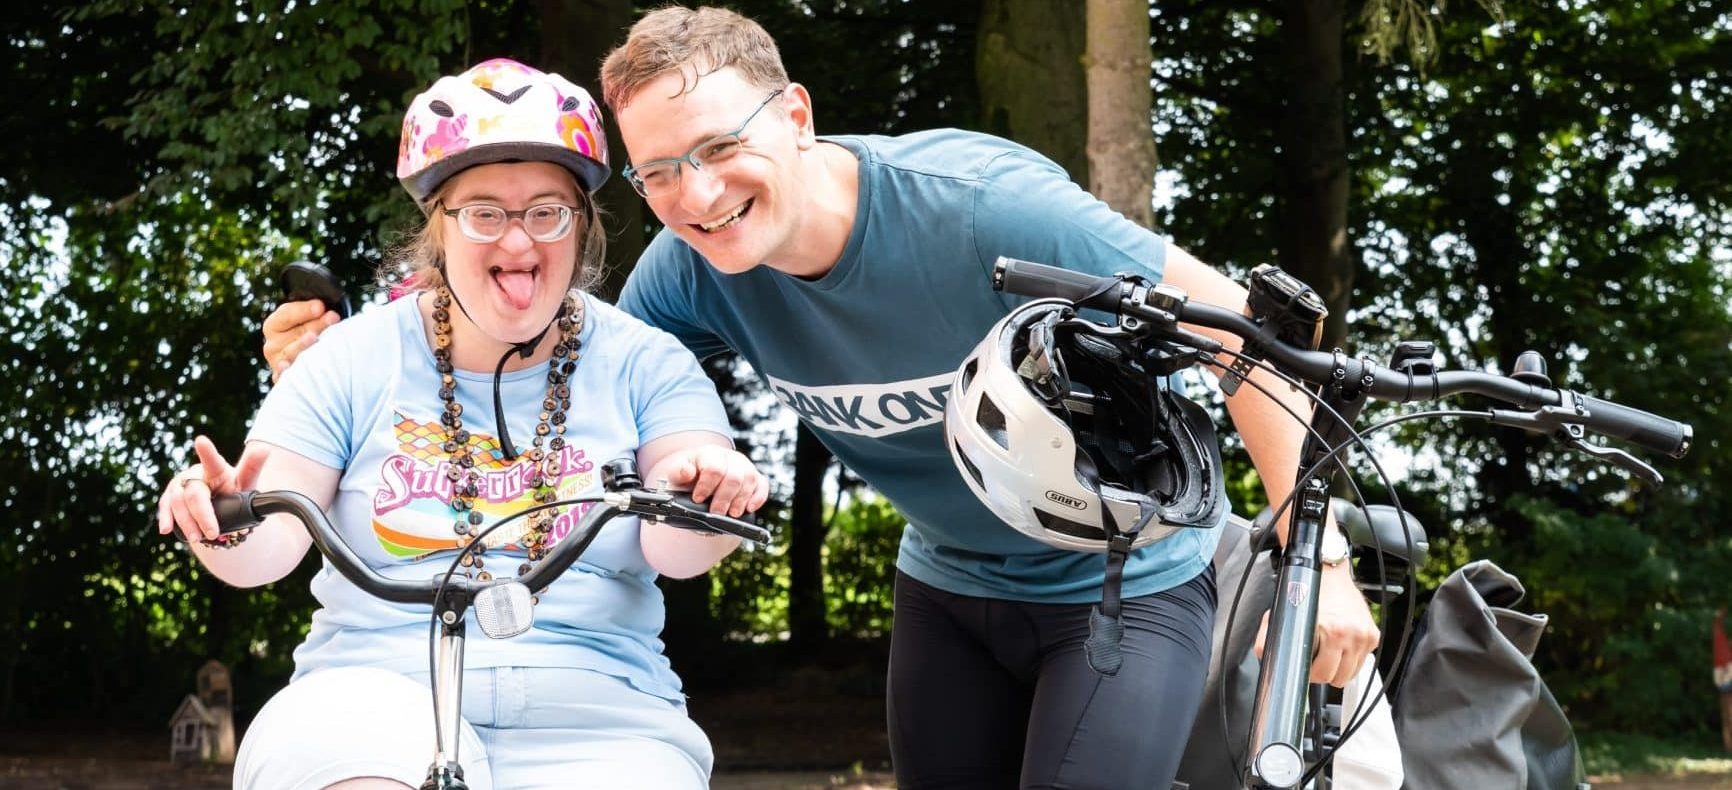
{"x": 365, "y": 400}
{"x": 866, "y": 354}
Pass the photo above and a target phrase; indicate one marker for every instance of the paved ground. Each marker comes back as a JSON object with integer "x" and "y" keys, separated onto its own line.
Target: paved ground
{"x": 84, "y": 773}
{"x": 771, "y": 780}
{"x": 1668, "y": 783}
{"x": 63, "y": 773}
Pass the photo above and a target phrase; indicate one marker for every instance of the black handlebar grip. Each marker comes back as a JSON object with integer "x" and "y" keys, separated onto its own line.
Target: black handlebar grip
{"x": 234, "y": 513}
{"x": 1042, "y": 281}
{"x": 1648, "y": 430}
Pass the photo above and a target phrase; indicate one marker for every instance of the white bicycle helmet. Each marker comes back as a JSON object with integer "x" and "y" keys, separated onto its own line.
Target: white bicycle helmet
{"x": 1068, "y": 432}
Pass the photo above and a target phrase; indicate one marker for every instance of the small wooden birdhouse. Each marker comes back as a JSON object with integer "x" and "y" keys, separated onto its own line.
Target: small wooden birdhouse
{"x": 203, "y": 727}
{"x": 192, "y": 733}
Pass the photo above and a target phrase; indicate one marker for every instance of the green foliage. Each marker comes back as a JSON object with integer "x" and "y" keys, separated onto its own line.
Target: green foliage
{"x": 1553, "y": 181}
{"x": 750, "y": 588}
{"x": 1392, "y": 25}
{"x": 1614, "y": 754}
{"x": 860, "y": 567}
{"x": 188, "y": 150}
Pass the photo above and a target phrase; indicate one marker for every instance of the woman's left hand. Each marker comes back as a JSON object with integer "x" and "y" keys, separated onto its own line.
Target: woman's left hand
{"x": 719, "y": 476}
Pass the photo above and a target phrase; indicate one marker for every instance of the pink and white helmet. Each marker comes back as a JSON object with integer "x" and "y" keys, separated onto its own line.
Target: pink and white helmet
{"x": 500, "y": 111}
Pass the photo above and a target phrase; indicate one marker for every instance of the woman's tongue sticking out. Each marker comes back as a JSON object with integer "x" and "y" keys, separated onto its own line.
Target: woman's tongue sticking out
{"x": 518, "y": 285}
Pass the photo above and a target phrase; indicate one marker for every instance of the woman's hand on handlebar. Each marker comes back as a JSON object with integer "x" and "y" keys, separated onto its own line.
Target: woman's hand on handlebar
{"x": 705, "y": 463}
{"x": 292, "y": 328}
{"x": 716, "y": 475}
{"x": 186, "y": 499}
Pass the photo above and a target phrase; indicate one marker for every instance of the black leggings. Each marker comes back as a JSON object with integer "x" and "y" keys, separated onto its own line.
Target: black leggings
{"x": 989, "y": 693}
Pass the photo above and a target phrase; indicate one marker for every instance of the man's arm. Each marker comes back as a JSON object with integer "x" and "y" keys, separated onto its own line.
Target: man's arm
{"x": 1346, "y": 632}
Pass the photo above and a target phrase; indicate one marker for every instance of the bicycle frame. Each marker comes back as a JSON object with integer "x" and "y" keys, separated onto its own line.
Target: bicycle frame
{"x": 1276, "y": 759}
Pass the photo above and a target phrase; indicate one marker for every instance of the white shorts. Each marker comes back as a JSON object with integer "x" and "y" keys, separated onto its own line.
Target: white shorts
{"x": 522, "y": 728}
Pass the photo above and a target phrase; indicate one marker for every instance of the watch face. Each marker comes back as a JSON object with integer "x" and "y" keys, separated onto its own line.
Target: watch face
{"x": 1335, "y": 547}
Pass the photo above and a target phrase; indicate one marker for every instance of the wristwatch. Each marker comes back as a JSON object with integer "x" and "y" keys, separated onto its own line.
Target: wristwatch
{"x": 1335, "y": 547}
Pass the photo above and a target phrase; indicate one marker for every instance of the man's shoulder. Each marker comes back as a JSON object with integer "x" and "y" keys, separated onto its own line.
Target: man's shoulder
{"x": 662, "y": 274}
{"x": 942, "y": 153}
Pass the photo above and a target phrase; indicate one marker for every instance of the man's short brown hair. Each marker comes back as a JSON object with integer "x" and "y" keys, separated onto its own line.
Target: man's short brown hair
{"x": 695, "y": 41}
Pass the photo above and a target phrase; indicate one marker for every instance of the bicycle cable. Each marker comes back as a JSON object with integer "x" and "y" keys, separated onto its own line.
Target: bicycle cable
{"x": 1334, "y": 454}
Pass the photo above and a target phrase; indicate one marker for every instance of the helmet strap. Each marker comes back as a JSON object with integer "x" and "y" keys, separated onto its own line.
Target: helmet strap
{"x": 1104, "y": 648}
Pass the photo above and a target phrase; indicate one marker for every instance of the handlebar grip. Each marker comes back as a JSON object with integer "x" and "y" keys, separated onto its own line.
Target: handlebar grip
{"x": 234, "y": 513}
{"x": 1648, "y": 430}
{"x": 1039, "y": 280}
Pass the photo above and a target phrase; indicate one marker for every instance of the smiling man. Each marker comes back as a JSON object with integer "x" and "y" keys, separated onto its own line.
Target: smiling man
{"x": 852, "y": 272}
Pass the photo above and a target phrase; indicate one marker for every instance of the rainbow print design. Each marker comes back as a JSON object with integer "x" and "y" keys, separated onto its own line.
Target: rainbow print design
{"x": 412, "y": 516}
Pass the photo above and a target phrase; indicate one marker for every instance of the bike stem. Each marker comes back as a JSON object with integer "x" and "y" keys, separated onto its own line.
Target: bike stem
{"x": 1276, "y": 759}
{"x": 445, "y": 773}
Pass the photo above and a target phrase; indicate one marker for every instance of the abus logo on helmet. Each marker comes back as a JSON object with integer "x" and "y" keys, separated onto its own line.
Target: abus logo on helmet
{"x": 1067, "y": 501}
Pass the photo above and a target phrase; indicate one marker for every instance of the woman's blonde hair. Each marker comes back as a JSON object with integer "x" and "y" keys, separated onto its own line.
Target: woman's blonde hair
{"x": 417, "y": 262}
{"x": 703, "y": 40}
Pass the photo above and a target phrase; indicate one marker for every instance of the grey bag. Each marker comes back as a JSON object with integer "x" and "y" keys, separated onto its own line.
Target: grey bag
{"x": 1470, "y": 709}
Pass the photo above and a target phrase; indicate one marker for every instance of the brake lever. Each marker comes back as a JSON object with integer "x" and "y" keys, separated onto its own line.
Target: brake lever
{"x": 665, "y": 506}
{"x": 1565, "y": 425}
{"x": 1629, "y": 462}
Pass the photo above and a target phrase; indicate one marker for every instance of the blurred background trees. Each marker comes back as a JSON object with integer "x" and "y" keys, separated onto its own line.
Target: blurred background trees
{"x": 1542, "y": 175}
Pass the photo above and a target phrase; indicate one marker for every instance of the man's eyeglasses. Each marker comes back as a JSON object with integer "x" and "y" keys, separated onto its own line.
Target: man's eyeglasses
{"x": 484, "y": 223}
{"x": 662, "y": 176}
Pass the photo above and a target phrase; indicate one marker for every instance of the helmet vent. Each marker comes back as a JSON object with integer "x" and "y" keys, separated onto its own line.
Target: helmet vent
{"x": 991, "y": 420}
{"x": 1075, "y": 529}
{"x": 973, "y": 471}
{"x": 508, "y": 98}
{"x": 968, "y": 371}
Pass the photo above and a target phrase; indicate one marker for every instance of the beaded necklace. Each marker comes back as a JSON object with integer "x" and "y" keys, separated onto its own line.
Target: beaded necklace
{"x": 545, "y": 470}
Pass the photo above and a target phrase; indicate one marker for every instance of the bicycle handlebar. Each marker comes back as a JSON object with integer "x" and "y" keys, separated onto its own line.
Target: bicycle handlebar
{"x": 238, "y": 512}
{"x": 1165, "y": 306}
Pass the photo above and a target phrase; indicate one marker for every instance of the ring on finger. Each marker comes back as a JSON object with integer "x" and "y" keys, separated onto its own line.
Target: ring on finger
{"x": 187, "y": 481}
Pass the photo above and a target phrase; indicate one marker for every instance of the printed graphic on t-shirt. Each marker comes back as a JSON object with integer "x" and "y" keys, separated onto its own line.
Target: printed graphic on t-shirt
{"x": 412, "y": 515}
{"x": 873, "y": 410}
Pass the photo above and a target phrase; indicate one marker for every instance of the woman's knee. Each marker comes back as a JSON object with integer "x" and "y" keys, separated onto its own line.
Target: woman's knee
{"x": 349, "y": 724}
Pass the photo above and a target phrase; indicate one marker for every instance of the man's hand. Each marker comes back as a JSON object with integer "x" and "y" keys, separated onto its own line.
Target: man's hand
{"x": 1345, "y": 633}
{"x": 291, "y": 329}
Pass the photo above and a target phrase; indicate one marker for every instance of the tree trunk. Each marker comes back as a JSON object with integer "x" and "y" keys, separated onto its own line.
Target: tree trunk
{"x": 1121, "y": 144}
{"x": 808, "y": 627}
{"x": 575, "y": 36}
{"x": 1028, "y": 63}
{"x": 1313, "y": 163}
